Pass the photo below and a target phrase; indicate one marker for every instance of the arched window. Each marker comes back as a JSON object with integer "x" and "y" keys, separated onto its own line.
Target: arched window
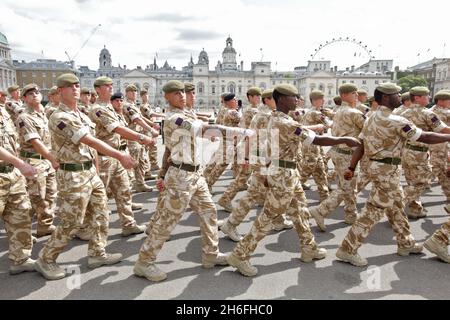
{"x": 200, "y": 88}
{"x": 263, "y": 86}
{"x": 231, "y": 87}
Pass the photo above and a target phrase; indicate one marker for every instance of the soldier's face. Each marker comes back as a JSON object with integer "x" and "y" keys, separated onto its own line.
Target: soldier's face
{"x": 106, "y": 91}
{"x": 131, "y": 95}
{"x": 318, "y": 102}
{"x": 117, "y": 104}
{"x": 71, "y": 93}
{"x": 56, "y": 99}
{"x": 300, "y": 103}
{"x": 362, "y": 98}
{"x": 15, "y": 94}
{"x": 423, "y": 100}
{"x": 144, "y": 98}
{"x": 33, "y": 98}
{"x": 85, "y": 98}
{"x": 176, "y": 99}
{"x": 444, "y": 104}
{"x": 254, "y": 100}
{"x": 190, "y": 99}
{"x": 350, "y": 98}
{"x": 2, "y": 99}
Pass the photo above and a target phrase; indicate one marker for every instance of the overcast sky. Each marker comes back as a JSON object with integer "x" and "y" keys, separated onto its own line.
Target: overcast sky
{"x": 287, "y": 31}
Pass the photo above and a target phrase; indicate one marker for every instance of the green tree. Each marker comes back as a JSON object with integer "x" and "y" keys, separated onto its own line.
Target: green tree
{"x": 412, "y": 81}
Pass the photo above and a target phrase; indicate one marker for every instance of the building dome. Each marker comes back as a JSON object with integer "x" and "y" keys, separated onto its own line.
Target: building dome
{"x": 3, "y": 39}
{"x": 203, "y": 58}
{"x": 229, "y": 48}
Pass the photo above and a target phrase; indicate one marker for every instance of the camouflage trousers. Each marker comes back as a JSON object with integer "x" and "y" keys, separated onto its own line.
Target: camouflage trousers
{"x": 439, "y": 161}
{"x": 417, "y": 169}
{"x": 159, "y": 206}
{"x": 139, "y": 154}
{"x": 256, "y": 193}
{"x": 237, "y": 185}
{"x": 153, "y": 155}
{"x": 15, "y": 211}
{"x": 284, "y": 195}
{"x": 219, "y": 164}
{"x": 183, "y": 189}
{"x": 331, "y": 174}
{"x": 82, "y": 197}
{"x": 42, "y": 191}
{"x": 363, "y": 176}
{"x": 346, "y": 190}
{"x": 313, "y": 165}
{"x": 443, "y": 234}
{"x": 115, "y": 177}
{"x": 385, "y": 199}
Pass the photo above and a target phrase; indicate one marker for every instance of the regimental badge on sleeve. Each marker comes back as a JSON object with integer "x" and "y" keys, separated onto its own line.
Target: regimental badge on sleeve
{"x": 183, "y": 124}
{"x": 298, "y": 132}
{"x": 21, "y": 124}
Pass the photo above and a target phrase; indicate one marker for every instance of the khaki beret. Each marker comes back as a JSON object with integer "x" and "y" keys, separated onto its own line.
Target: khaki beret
{"x": 442, "y": 95}
{"x": 28, "y": 88}
{"x": 389, "y": 88}
{"x": 173, "y": 86}
{"x": 362, "y": 92}
{"x": 3, "y": 93}
{"x": 316, "y": 94}
{"x": 419, "y": 91}
{"x": 13, "y": 88}
{"x": 131, "y": 87}
{"x": 347, "y": 88}
{"x": 102, "y": 81}
{"x": 86, "y": 91}
{"x": 286, "y": 89}
{"x": 267, "y": 93}
{"x": 337, "y": 100}
{"x": 406, "y": 96}
{"x": 188, "y": 87}
{"x": 144, "y": 92}
{"x": 254, "y": 91}
{"x": 53, "y": 91}
{"x": 66, "y": 80}
{"x": 371, "y": 99}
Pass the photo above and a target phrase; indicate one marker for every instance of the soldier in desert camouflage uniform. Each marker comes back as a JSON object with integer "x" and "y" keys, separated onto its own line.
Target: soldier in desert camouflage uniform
{"x": 313, "y": 163}
{"x": 244, "y": 172}
{"x": 185, "y": 186}
{"x": 35, "y": 143}
{"x": 14, "y": 106}
{"x": 112, "y": 129}
{"x": 81, "y": 192}
{"x": 14, "y": 202}
{"x": 384, "y": 136}
{"x": 406, "y": 103}
{"x": 85, "y": 101}
{"x": 362, "y": 100}
{"x": 416, "y": 158}
{"x": 439, "y": 153}
{"x": 348, "y": 121}
{"x": 53, "y": 102}
{"x": 285, "y": 194}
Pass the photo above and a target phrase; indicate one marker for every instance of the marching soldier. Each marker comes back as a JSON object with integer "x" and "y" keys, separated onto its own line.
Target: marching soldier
{"x": 148, "y": 113}
{"x": 348, "y": 121}
{"x": 81, "y": 193}
{"x": 14, "y": 202}
{"x": 185, "y": 185}
{"x": 439, "y": 153}
{"x": 406, "y": 103}
{"x": 313, "y": 163}
{"x": 53, "y": 102}
{"x": 259, "y": 159}
{"x": 35, "y": 143}
{"x": 138, "y": 124}
{"x": 384, "y": 136}
{"x": 416, "y": 158}
{"x": 285, "y": 194}
{"x": 15, "y": 105}
{"x": 240, "y": 182}
{"x": 362, "y": 99}
{"x": 85, "y": 101}
{"x": 227, "y": 149}
{"x": 112, "y": 129}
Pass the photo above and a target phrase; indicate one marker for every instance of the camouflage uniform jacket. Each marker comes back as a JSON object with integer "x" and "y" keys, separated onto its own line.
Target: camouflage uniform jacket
{"x": 107, "y": 120}
{"x": 348, "y": 122}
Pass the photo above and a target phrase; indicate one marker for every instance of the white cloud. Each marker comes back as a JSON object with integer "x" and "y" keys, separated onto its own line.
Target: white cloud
{"x": 288, "y": 31}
